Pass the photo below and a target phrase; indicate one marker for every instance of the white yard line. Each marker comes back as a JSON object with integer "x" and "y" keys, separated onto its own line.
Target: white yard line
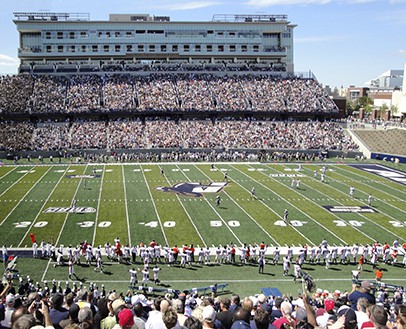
{"x": 366, "y": 203}
{"x": 184, "y": 209}
{"x": 24, "y": 197}
{"x": 294, "y": 228}
{"x": 360, "y": 214}
{"x": 312, "y": 219}
{"x": 126, "y": 208}
{"x": 243, "y": 210}
{"x": 153, "y": 203}
{"x": 42, "y": 208}
{"x": 67, "y": 214}
{"x": 98, "y": 205}
{"x": 338, "y": 218}
{"x": 2, "y": 177}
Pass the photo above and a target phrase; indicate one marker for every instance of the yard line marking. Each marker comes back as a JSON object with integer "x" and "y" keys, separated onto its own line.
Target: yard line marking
{"x": 153, "y": 203}
{"x": 360, "y": 214}
{"x": 335, "y": 215}
{"x": 294, "y": 228}
{"x": 98, "y": 205}
{"x": 231, "y": 199}
{"x": 209, "y": 205}
{"x": 312, "y": 219}
{"x": 23, "y": 197}
{"x": 387, "y": 200}
{"x": 67, "y": 215}
{"x": 22, "y": 176}
{"x": 126, "y": 208}
{"x": 42, "y": 208}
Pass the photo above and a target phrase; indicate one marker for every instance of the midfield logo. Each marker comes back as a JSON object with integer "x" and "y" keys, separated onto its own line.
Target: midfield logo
{"x": 82, "y": 176}
{"x": 73, "y": 210}
{"x": 193, "y": 189}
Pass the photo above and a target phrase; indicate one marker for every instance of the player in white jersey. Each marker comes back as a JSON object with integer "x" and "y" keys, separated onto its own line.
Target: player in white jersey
{"x": 292, "y": 183}
{"x": 156, "y": 270}
{"x": 133, "y": 277}
{"x": 298, "y": 184}
{"x": 207, "y": 256}
{"x": 99, "y": 264}
{"x": 276, "y": 255}
{"x": 145, "y": 275}
{"x": 71, "y": 269}
{"x": 201, "y": 256}
{"x": 297, "y": 272}
{"x": 322, "y": 177}
{"x": 328, "y": 259}
{"x": 354, "y": 252}
{"x": 334, "y": 254}
{"x": 289, "y": 253}
{"x": 253, "y": 193}
{"x": 352, "y": 189}
{"x": 107, "y": 248}
{"x": 218, "y": 255}
{"x": 35, "y": 249}
{"x": 224, "y": 254}
{"x": 312, "y": 254}
{"x": 157, "y": 249}
{"x": 183, "y": 258}
{"x": 134, "y": 253}
{"x": 286, "y": 265}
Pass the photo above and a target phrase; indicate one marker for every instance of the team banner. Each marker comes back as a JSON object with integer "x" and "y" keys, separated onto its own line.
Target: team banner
{"x": 346, "y": 209}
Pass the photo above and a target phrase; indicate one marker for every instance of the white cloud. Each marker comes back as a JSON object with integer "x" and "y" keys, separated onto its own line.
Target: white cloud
{"x": 190, "y": 5}
{"x": 6, "y": 60}
{"x": 267, "y": 3}
{"x": 318, "y": 39}
{"x": 402, "y": 51}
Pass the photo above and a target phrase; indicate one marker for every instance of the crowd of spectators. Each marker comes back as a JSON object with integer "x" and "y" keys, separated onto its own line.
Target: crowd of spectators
{"x": 225, "y": 134}
{"x": 79, "y": 307}
{"x": 163, "y": 92}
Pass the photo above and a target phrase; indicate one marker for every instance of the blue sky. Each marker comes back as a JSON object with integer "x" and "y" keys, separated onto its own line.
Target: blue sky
{"x": 343, "y": 42}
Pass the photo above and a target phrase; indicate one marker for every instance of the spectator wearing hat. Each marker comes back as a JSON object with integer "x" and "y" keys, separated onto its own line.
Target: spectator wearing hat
{"x": 9, "y": 309}
{"x": 263, "y": 304}
{"x": 286, "y": 309}
{"x": 208, "y": 317}
{"x": 125, "y": 318}
{"x": 363, "y": 291}
{"x": 225, "y": 316}
{"x": 328, "y": 314}
{"x": 349, "y": 315}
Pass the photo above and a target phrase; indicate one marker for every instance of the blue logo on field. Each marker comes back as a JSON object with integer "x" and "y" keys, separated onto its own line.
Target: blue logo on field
{"x": 389, "y": 173}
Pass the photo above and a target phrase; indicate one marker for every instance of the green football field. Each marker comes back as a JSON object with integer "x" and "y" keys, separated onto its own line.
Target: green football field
{"x": 69, "y": 203}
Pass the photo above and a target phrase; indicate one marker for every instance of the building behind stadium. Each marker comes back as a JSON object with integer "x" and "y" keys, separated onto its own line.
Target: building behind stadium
{"x": 66, "y": 42}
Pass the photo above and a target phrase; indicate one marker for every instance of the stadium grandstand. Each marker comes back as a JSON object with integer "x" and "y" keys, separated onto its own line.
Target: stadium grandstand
{"x": 140, "y": 73}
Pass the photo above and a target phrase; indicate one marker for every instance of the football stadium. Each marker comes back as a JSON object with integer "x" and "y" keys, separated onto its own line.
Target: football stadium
{"x": 146, "y": 160}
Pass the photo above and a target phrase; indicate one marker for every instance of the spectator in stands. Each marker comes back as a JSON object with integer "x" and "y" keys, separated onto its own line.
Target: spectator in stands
{"x": 363, "y": 291}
